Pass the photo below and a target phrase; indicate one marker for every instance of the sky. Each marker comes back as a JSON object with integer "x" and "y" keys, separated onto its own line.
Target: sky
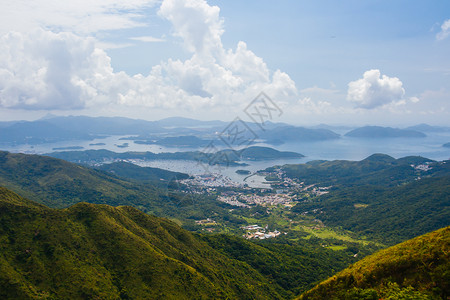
{"x": 353, "y": 62}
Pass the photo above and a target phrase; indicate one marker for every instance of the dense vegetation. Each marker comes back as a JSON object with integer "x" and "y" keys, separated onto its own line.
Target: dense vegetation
{"x": 416, "y": 269}
{"x": 375, "y": 170}
{"x": 294, "y": 266}
{"x": 377, "y": 199}
{"x": 380, "y": 197}
{"x": 96, "y": 251}
{"x": 387, "y": 215}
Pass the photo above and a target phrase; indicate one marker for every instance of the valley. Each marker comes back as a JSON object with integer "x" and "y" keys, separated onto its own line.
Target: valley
{"x": 291, "y": 220}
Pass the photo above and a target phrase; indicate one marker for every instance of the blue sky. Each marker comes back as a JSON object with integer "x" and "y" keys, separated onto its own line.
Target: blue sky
{"x": 337, "y": 62}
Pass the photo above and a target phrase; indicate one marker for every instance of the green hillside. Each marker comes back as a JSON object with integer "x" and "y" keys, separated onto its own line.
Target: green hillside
{"x": 415, "y": 269}
{"x": 59, "y": 184}
{"x": 92, "y": 251}
{"x": 142, "y": 174}
{"x": 377, "y": 169}
{"x": 389, "y": 215}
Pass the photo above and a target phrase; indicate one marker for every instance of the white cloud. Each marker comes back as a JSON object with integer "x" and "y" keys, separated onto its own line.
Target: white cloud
{"x": 445, "y": 30}
{"x": 81, "y": 17}
{"x": 374, "y": 90}
{"x": 414, "y": 99}
{"x": 196, "y": 22}
{"x": 45, "y": 70}
{"x": 36, "y": 70}
{"x": 147, "y": 39}
{"x": 307, "y": 106}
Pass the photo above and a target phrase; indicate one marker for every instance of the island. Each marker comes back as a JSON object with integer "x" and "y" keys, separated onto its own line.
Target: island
{"x": 226, "y": 157}
{"x": 384, "y": 132}
{"x": 243, "y": 172}
{"x": 68, "y": 148}
{"x": 292, "y": 134}
{"x": 124, "y": 145}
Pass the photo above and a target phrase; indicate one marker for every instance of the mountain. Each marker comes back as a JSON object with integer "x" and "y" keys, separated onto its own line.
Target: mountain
{"x": 384, "y": 132}
{"x": 105, "y": 125}
{"x": 447, "y": 145}
{"x": 4, "y": 124}
{"x": 428, "y": 128}
{"x": 388, "y": 215}
{"x": 186, "y": 122}
{"x": 415, "y": 269}
{"x": 60, "y": 184}
{"x": 39, "y": 132}
{"x": 377, "y": 169}
{"x": 291, "y": 134}
{"x": 381, "y": 198}
{"x": 92, "y": 251}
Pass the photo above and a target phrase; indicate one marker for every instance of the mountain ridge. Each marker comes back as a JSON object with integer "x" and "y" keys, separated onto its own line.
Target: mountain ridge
{"x": 415, "y": 269}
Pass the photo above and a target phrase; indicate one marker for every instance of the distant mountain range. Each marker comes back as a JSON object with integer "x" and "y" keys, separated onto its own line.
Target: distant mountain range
{"x": 39, "y": 132}
{"x": 177, "y": 131}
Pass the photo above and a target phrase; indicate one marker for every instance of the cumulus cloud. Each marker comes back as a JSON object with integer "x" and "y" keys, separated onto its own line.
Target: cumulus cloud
{"x": 374, "y": 90}
{"x": 196, "y": 22}
{"x": 445, "y": 30}
{"x": 45, "y": 70}
{"x": 39, "y": 70}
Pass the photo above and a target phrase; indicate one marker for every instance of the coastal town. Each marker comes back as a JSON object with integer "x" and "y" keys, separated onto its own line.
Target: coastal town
{"x": 281, "y": 194}
{"x": 283, "y": 190}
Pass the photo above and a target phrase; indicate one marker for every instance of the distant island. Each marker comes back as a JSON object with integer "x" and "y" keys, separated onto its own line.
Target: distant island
{"x": 68, "y": 148}
{"x": 97, "y": 144}
{"x": 266, "y": 153}
{"x": 446, "y": 145}
{"x": 243, "y": 172}
{"x": 124, "y": 145}
{"x": 226, "y": 157}
{"x": 176, "y": 141}
{"x": 384, "y": 132}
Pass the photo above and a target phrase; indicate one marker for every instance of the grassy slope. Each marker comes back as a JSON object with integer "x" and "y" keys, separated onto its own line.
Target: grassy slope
{"x": 97, "y": 251}
{"x": 415, "y": 269}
